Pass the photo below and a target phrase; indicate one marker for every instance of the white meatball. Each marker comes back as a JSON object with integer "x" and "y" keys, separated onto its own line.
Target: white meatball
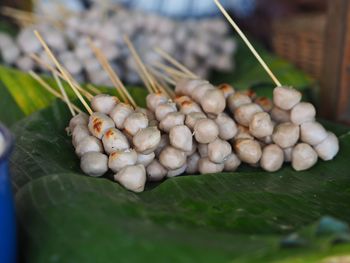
{"x": 206, "y": 131}
{"x": 261, "y": 125}
{"x": 150, "y": 115}
{"x": 236, "y": 100}
{"x": 303, "y": 112}
{"x": 171, "y": 120}
{"x": 272, "y": 158}
{"x": 205, "y": 166}
{"x": 99, "y": 123}
{"x": 79, "y": 133}
{"x": 114, "y": 140}
{"x": 227, "y": 126}
{"x": 286, "y": 135}
{"x": 119, "y": 159}
{"x": 329, "y": 148}
{"x": 147, "y": 140}
{"x": 79, "y": 119}
{"x": 145, "y": 159}
{"x": 154, "y": 100}
{"x": 120, "y": 113}
{"x": 10, "y": 54}
{"x": 312, "y": 133}
{"x": 193, "y": 117}
{"x": 231, "y": 163}
{"x": 286, "y": 97}
{"x": 163, "y": 109}
{"x": 244, "y": 114}
{"x": 104, "y": 103}
{"x": 248, "y": 151}
{"x": 189, "y": 106}
{"x": 200, "y": 91}
{"x": 94, "y": 164}
{"x": 219, "y": 150}
{"x": 132, "y": 177}
{"x": 134, "y": 122}
{"x": 172, "y": 158}
{"x": 88, "y": 144}
{"x": 180, "y": 137}
{"x": 303, "y": 157}
{"x": 155, "y": 171}
{"x": 213, "y": 102}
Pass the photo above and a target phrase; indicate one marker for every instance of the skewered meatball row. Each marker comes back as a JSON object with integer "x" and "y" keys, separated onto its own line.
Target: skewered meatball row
{"x": 102, "y": 146}
{"x": 286, "y": 130}
{"x": 268, "y": 132}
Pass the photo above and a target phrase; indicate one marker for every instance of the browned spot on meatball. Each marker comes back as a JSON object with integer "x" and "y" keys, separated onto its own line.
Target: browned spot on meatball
{"x": 97, "y": 125}
{"x": 225, "y": 87}
{"x": 186, "y": 103}
{"x": 114, "y": 154}
{"x": 109, "y": 133}
{"x": 250, "y": 93}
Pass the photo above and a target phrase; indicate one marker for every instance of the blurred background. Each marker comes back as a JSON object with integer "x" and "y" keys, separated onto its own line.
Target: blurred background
{"x": 309, "y": 34}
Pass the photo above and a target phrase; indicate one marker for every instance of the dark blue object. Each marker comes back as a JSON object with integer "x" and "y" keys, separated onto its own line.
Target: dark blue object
{"x": 7, "y": 210}
{"x": 329, "y": 226}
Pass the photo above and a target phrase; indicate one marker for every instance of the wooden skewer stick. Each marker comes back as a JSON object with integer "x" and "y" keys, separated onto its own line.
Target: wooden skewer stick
{"x": 172, "y": 71}
{"x": 162, "y": 75}
{"x": 64, "y": 94}
{"x": 140, "y": 63}
{"x": 93, "y": 89}
{"x": 46, "y": 86}
{"x": 176, "y": 63}
{"x": 65, "y": 74}
{"x": 162, "y": 84}
{"x": 247, "y": 42}
{"x": 144, "y": 78}
{"x": 38, "y": 60}
{"x": 113, "y": 76}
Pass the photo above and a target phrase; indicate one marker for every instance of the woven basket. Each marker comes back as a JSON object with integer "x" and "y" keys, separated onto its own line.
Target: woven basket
{"x": 300, "y": 39}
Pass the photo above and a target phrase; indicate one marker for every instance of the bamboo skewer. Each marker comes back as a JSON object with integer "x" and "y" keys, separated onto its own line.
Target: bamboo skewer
{"x": 141, "y": 65}
{"x": 64, "y": 94}
{"x": 93, "y": 89}
{"x": 162, "y": 75}
{"x": 113, "y": 76}
{"x": 65, "y": 74}
{"x": 38, "y": 60}
{"x": 46, "y": 86}
{"x": 247, "y": 42}
{"x": 163, "y": 86}
{"x": 176, "y": 63}
{"x": 144, "y": 73}
{"x": 172, "y": 71}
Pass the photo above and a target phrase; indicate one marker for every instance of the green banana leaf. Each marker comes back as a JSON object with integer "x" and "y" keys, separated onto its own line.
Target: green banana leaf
{"x": 65, "y": 216}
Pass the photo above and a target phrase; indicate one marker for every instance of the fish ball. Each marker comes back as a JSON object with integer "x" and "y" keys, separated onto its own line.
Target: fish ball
{"x": 94, "y": 164}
